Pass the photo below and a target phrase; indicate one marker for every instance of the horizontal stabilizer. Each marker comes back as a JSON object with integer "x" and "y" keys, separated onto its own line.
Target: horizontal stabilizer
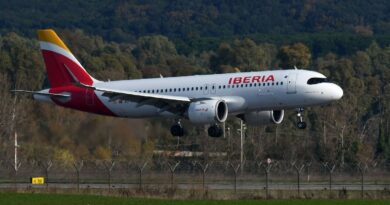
{"x": 42, "y": 93}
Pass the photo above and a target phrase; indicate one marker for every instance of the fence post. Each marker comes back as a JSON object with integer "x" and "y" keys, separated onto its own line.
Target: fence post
{"x": 362, "y": 167}
{"x": 141, "y": 168}
{"x": 172, "y": 168}
{"x": 109, "y": 165}
{"x": 47, "y": 164}
{"x": 267, "y": 168}
{"x": 78, "y": 165}
{"x": 235, "y": 170}
{"x": 15, "y": 168}
{"x": 204, "y": 168}
{"x": 298, "y": 169}
{"x": 330, "y": 167}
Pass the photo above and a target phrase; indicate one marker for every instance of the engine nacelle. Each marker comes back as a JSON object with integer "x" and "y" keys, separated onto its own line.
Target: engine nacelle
{"x": 208, "y": 111}
{"x": 257, "y": 118}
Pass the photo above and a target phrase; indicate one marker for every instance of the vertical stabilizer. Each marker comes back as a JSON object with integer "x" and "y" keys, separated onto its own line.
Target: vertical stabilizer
{"x": 62, "y": 67}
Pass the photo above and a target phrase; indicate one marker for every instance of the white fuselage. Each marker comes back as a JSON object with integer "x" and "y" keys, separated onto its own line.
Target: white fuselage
{"x": 243, "y": 92}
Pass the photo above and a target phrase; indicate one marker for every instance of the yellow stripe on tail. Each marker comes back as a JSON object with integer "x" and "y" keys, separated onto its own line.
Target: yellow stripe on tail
{"x": 48, "y": 35}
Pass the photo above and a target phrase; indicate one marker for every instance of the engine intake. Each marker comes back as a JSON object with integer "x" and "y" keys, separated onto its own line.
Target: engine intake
{"x": 208, "y": 111}
{"x": 257, "y": 118}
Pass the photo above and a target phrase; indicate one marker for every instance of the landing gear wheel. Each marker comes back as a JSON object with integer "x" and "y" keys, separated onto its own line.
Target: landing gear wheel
{"x": 177, "y": 130}
{"x": 215, "y": 131}
{"x": 301, "y": 125}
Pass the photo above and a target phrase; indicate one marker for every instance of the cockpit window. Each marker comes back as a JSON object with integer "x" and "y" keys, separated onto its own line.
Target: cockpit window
{"x": 313, "y": 81}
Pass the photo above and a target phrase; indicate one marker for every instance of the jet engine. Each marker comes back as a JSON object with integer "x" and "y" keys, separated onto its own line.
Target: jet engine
{"x": 208, "y": 111}
{"x": 257, "y": 118}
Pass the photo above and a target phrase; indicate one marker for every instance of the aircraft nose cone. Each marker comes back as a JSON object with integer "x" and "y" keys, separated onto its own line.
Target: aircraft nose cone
{"x": 337, "y": 92}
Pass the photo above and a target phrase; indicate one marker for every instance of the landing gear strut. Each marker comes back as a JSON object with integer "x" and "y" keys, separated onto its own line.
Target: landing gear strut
{"x": 300, "y": 124}
{"x": 215, "y": 131}
{"x": 177, "y": 130}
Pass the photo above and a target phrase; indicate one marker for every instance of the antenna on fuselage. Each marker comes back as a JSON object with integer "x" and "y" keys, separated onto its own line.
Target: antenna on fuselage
{"x": 161, "y": 76}
{"x": 295, "y": 67}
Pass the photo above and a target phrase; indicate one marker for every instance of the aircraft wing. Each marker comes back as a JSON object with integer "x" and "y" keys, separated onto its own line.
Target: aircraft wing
{"x": 175, "y": 104}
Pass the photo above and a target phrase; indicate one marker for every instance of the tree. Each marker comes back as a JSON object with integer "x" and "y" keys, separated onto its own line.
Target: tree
{"x": 224, "y": 58}
{"x": 297, "y": 54}
{"x": 154, "y": 51}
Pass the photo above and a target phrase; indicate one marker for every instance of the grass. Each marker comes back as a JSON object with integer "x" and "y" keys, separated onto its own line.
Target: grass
{"x": 60, "y": 199}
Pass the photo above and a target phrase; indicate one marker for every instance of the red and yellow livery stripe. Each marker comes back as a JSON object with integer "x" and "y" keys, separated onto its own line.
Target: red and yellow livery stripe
{"x": 48, "y": 35}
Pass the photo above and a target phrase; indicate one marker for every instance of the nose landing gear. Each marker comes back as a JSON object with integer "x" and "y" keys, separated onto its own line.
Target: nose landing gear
{"x": 300, "y": 124}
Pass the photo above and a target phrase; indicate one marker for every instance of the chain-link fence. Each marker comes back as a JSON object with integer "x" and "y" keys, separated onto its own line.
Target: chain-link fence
{"x": 199, "y": 174}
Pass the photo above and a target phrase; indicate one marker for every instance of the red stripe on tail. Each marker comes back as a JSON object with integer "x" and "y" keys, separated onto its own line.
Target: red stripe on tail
{"x": 57, "y": 73}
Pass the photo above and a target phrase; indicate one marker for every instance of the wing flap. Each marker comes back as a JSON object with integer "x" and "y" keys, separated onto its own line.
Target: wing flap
{"x": 173, "y": 104}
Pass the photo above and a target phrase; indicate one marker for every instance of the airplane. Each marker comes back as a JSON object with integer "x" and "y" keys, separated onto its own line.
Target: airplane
{"x": 258, "y": 98}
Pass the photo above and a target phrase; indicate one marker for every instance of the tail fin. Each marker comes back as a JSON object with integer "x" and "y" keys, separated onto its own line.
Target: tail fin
{"x": 62, "y": 67}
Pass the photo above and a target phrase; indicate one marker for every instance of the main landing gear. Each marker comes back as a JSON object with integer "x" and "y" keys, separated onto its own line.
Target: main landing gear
{"x": 300, "y": 124}
{"x": 215, "y": 131}
{"x": 177, "y": 130}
